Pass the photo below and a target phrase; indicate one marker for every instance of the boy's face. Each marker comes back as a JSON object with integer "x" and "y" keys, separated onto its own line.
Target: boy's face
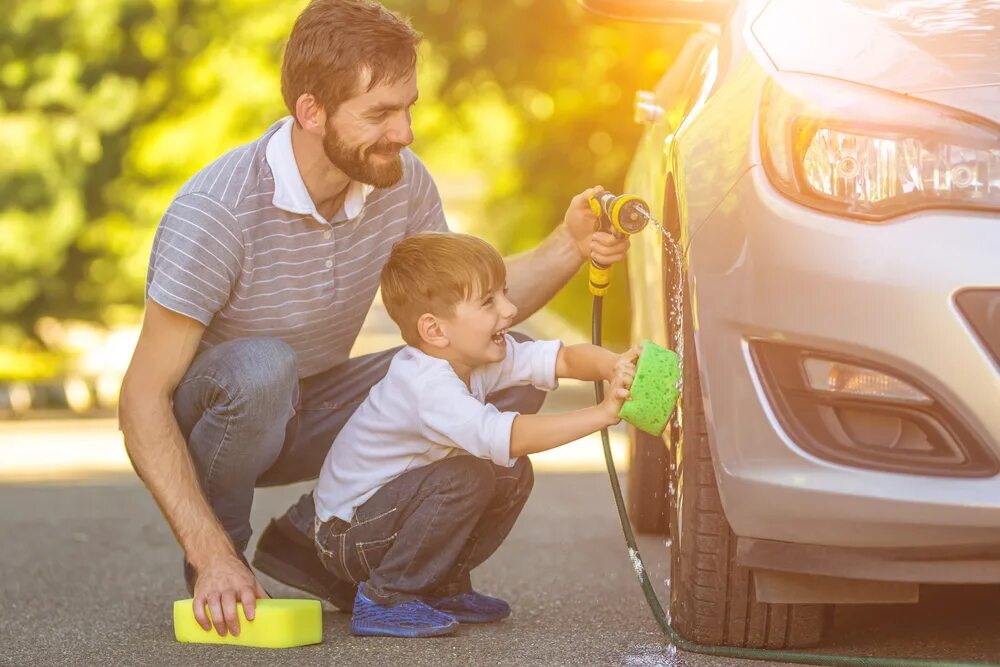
{"x": 476, "y": 332}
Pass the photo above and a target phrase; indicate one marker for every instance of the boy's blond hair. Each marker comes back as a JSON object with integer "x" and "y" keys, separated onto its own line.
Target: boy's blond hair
{"x": 432, "y": 272}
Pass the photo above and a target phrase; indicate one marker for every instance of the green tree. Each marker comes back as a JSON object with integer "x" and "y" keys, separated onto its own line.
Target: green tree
{"x": 107, "y": 107}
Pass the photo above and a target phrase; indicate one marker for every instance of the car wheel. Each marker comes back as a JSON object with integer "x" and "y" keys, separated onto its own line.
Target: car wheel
{"x": 648, "y": 477}
{"x": 712, "y": 599}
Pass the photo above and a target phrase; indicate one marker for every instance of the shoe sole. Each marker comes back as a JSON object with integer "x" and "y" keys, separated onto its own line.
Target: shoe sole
{"x": 294, "y": 577}
{"x": 474, "y": 619}
{"x": 401, "y": 632}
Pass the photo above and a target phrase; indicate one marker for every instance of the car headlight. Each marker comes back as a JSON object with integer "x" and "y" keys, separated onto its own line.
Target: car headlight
{"x": 858, "y": 151}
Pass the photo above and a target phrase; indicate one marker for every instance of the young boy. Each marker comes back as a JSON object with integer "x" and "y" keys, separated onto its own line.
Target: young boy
{"x": 426, "y": 479}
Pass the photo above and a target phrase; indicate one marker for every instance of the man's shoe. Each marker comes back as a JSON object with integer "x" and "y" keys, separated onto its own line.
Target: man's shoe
{"x": 285, "y": 554}
{"x": 414, "y": 618}
{"x": 472, "y": 607}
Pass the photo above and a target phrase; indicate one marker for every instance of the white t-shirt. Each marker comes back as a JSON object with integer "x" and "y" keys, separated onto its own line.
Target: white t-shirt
{"x": 422, "y": 412}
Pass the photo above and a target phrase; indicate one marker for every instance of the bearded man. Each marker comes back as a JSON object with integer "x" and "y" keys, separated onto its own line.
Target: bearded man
{"x": 262, "y": 271}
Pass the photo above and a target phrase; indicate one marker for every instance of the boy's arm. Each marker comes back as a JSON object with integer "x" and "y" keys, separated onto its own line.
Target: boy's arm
{"x": 530, "y": 434}
{"x": 537, "y": 433}
{"x": 585, "y": 362}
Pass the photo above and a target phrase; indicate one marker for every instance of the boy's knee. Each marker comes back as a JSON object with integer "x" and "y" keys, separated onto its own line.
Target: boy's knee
{"x": 525, "y": 474}
{"x": 470, "y": 475}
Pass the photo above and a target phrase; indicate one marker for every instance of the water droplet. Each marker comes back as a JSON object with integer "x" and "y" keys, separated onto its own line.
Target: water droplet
{"x": 668, "y": 542}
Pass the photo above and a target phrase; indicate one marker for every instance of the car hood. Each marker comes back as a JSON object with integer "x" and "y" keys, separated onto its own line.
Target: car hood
{"x": 944, "y": 51}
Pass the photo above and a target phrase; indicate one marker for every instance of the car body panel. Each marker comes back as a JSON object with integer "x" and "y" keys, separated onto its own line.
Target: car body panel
{"x": 767, "y": 268}
{"x": 761, "y": 266}
{"x": 905, "y": 46}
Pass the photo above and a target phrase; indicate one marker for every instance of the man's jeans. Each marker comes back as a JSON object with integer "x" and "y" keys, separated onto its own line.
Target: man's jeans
{"x": 249, "y": 421}
{"x": 424, "y": 531}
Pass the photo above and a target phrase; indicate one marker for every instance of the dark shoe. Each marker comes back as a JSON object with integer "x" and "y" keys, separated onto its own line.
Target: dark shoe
{"x": 414, "y": 618}
{"x": 285, "y": 554}
{"x": 472, "y": 607}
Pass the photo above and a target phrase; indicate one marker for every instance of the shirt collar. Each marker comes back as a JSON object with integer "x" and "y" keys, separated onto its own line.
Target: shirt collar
{"x": 290, "y": 193}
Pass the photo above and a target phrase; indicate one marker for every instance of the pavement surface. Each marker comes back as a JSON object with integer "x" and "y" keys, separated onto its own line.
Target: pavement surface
{"x": 91, "y": 569}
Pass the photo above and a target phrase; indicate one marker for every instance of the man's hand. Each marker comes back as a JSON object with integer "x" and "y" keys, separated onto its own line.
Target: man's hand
{"x": 621, "y": 381}
{"x": 580, "y": 221}
{"x": 218, "y": 586}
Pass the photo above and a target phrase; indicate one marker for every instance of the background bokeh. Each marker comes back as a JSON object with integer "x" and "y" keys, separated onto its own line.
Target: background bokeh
{"x": 108, "y": 106}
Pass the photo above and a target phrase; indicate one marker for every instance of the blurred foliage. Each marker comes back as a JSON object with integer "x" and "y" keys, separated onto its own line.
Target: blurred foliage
{"x": 108, "y": 106}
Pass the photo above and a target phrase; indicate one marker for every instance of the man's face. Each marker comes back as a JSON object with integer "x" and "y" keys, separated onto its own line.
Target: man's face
{"x": 364, "y": 136}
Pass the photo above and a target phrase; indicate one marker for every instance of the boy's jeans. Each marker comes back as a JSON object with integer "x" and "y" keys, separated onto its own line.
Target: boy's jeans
{"x": 423, "y": 532}
{"x": 249, "y": 421}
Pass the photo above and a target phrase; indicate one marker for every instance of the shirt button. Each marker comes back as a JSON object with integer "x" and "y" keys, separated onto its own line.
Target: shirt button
{"x": 327, "y": 234}
{"x": 329, "y": 263}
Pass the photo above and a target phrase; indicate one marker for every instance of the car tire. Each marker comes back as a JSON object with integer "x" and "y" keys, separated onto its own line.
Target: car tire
{"x": 648, "y": 479}
{"x": 712, "y": 599}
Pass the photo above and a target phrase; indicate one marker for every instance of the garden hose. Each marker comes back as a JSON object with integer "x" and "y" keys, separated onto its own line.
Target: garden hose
{"x": 798, "y": 657}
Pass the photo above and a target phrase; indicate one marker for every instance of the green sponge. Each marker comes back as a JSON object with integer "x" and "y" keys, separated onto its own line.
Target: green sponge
{"x": 277, "y": 623}
{"x": 654, "y": 389}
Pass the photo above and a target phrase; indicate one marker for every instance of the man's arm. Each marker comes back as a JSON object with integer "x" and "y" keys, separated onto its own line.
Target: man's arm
{"x": 166, "y": 346}
{"x": 534, "y": 277}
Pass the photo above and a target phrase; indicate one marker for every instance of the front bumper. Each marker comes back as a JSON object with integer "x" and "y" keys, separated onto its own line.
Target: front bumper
{"x": 764, "y": 268}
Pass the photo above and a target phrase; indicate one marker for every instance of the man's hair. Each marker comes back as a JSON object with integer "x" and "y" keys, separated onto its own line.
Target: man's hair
{"x": 432, "y": 272}
{"x": 338, "y": 45}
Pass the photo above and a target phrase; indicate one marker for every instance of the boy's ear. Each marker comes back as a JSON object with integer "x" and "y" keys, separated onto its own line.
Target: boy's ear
{"x": 431, "y": 332}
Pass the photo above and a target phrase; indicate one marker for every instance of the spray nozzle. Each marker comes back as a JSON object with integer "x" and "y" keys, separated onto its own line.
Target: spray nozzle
{"x": 623, "y": 215}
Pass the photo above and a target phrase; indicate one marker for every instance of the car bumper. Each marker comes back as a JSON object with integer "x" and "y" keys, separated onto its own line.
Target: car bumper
{"x": 764, "y": 268}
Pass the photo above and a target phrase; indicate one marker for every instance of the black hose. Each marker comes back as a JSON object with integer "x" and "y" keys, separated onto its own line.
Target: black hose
{"x": 799, "y": 657}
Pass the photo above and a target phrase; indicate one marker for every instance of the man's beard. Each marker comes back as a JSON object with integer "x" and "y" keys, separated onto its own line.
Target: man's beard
{"x": 356, "y": 164}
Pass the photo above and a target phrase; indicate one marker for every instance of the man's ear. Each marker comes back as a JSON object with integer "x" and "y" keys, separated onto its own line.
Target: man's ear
{"x": 431, "y": 332}
{"x": 309, "y": 114}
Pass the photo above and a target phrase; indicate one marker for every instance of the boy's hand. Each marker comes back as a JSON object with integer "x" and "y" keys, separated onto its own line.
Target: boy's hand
{"x": 625, "y": 362}
{"x": 621, "y": 381}
{"x": 580, "y": 220}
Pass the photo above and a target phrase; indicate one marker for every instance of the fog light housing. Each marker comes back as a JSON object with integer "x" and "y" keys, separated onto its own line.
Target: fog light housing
{"x": 851, "y": 380}
{"x": 859, "y": 413}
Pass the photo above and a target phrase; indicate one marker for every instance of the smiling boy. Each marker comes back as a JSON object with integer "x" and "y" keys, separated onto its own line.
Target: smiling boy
{"x": 426, "y": 479}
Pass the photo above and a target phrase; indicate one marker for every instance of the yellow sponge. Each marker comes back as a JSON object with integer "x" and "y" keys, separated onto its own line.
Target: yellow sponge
{"x": 277, "y": 623}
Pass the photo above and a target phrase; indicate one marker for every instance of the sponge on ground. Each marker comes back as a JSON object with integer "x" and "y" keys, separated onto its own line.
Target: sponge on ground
{"x": 277, "y": 623}
{"x": 654, "y": 389}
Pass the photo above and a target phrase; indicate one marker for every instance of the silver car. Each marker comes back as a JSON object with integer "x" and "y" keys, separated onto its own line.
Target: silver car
{"x": 831, "y": 169}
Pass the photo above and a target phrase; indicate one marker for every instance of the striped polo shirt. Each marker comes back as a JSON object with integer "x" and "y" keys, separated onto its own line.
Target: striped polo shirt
{"x": 243, "y": 250}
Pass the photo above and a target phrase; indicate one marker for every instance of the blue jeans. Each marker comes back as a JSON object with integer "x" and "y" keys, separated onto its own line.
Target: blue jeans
{"x": 422, "y": 533}
{"x": 249, "y": 421}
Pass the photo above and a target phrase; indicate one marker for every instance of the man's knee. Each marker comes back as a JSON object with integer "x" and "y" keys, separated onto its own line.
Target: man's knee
{"x": 263, "y": 369}
{"x": 255, "y": 373}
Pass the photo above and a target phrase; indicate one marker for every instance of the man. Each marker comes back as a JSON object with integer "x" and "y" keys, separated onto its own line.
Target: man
{"x": 261, "y": 273}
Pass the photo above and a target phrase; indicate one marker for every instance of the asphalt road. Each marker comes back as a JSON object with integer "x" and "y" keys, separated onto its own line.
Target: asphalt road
{"x": 90, "y": 571}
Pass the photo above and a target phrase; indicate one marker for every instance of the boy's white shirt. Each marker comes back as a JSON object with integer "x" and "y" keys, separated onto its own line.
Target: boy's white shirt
{"x": 422, "y": 412}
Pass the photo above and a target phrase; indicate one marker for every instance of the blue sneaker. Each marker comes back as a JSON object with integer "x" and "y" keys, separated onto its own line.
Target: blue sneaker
{"x": 472, "y": 607}
{"x": 408, "y": 619}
